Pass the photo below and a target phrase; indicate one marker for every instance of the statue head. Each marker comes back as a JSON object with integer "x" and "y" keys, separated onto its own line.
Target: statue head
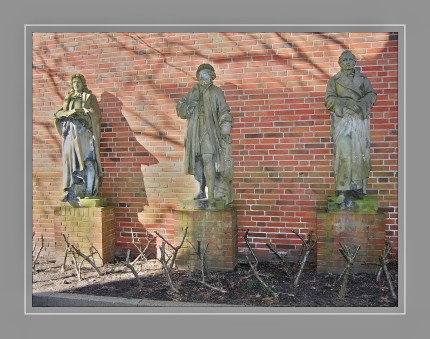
{"x": 208, "y": 71}
{"x": 83, "y": 81}
{"x": 347, "y": 60}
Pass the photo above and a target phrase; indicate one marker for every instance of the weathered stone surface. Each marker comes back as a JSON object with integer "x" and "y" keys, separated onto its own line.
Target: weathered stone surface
{"x": 365, "y": 205}
{"x": 78, "y": 121}
{"x": 367, "y": 230}
{"x": 349, "y": 97}
{"x": 92, "y": 202}
{"x": 208, "y": 150}
{"x": 85, "y": 227}
{"x": 217, "y": 229}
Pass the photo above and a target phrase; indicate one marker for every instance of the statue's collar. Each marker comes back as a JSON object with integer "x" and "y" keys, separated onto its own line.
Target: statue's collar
{"x": 346, "y": 81}
{"x": 344, "y": 75}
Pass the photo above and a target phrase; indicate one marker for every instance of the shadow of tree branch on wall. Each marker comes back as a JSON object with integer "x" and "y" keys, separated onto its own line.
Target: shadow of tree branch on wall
{"x": 275, "y": 86}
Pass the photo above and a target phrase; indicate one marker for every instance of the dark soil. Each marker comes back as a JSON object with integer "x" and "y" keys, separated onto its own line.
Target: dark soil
{"x": 241, "y": 286}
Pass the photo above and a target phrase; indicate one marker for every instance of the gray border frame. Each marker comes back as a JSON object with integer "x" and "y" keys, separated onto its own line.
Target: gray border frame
{"x": 401, "y": 29}
{"x": 15, "y": 14}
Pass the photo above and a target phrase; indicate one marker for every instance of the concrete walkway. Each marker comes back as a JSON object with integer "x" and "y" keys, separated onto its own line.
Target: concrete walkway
{"x": 46, "y": 299}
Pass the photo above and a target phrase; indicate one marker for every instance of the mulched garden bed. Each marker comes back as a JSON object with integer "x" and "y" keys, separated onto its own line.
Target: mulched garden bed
{"x": 241, "y": 286}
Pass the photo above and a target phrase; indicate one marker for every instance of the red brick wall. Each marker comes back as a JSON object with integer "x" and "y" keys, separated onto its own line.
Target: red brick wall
{"x": 275, "y": 84}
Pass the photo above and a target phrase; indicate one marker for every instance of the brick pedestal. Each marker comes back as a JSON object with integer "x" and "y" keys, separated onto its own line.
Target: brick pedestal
{"x": 216, "y": 228}
{"x": 86, "y": 227}
{"x": 365, "y": 230}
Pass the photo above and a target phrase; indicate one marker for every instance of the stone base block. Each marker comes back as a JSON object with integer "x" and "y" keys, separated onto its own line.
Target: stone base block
{"x": 367, "y": 205}
{"x": 217, "y": 229}
{"x": 92, "y": 202}
{"x": 350, "y": 229}
{"x": 85, "y": 227}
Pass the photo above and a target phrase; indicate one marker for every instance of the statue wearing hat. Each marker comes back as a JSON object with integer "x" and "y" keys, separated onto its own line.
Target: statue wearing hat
{"x": 208, "y": 141}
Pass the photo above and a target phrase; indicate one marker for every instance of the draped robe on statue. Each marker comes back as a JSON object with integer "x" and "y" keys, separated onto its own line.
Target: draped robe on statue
{"x": 208, "y": 118}
{"x": 351, "y": 130}
{"x": 81, "y": 139}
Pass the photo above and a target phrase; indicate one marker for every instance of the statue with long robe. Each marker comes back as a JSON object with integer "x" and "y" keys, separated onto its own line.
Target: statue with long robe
{"x": 208, "y": 141}
{"x": 349, "y": 97}
{"x": 78, "y": 122}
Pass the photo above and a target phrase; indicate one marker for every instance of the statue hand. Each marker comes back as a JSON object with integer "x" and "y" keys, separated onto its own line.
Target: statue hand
{"x": 226, "y": 138}
{"x": 182, "y": 109}
{"x": 60, "y": 114}
{"x": 356, "y": 108}
{"x": 352, "y": 105}
{"x": 77, "y": 111}
{"x": 330, "y": 103}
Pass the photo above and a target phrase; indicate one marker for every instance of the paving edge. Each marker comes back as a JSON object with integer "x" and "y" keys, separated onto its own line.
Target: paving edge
{"x": 48, "y": 299}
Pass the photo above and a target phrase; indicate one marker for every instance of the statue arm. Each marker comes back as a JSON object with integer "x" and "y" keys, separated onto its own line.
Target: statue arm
{"x": 92, "y": 111}
{"x": 92, "y": 105}
{"x": 67, "y": 114}
{"x": 224, "y": 114}
{"x": 225, "y": 119}
{"x": 92, "y": 115}
{"x": 332, "y": 101}
{"x": 369, "y": 98}
{"x": 63, "y": 112}
{"x": 62, "y": 119}
{"x": 61, "y": 125}
{"x": 187, "y": 106}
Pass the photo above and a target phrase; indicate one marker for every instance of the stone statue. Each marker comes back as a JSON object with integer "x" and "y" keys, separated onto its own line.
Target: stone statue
{"x": 350, "y": 97}
{"x": 78, "y": 122}
{"x": 208, "y": 141}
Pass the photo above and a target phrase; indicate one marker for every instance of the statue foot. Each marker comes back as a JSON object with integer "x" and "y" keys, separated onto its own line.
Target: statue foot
{"x": 340, "y": 199}
{"x": 78, "y": 178}
{"x": 357, "y": 194}
{"x": 212, "y": 204}
{"x": 200, "y": 195}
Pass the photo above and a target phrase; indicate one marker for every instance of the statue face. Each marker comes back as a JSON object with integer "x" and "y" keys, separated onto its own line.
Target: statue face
{"x": 77, "y": 84}
{"x": 347, "y": 62}
{"x": 205, "y": 76}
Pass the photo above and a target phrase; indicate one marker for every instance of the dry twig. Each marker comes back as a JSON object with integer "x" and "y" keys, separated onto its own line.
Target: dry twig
{"x": 282, "y": 258}
{"x": 202, "y": 259}
{"x": 203, "y": 267}
{"x": 87, "y": 258}
{"x": 307, "y": 247}
{"x": 139, "y": 248}
{"x": 257, "y": 275}
{"x": 349, "y": 257}
{"x": 165, "y": 268}
{"x": 254, "y": 266}
{"x": 175, "y": 249}
{"x": 168, "y": 268}
{"x": 131, "y": 267}
{"x": 72, "y": 249}
{"x": 38, "y": 252}
{"x": 66, "y": 251}
{"x": 383, "y": 261}
{"x": 74, "y": 259}
{"x": 250, "y": 249}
